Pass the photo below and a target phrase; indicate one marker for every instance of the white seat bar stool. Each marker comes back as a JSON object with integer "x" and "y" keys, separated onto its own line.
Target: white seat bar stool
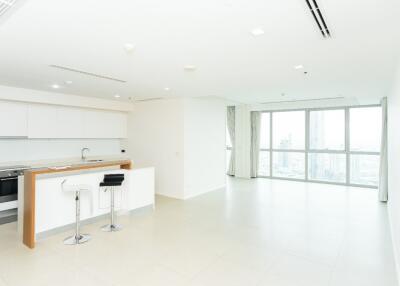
{"x": 77, "y": 238}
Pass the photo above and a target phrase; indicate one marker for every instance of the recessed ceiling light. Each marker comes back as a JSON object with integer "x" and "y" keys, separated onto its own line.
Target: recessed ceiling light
{"x": 68, "y": 81}
{"x": 117, "y": 96}
{"x": 129, "y": 48}
{"x": 166, "y": 88}
{"x": 55, "y": 86}
{"x": 257, "y": 32}
{"x": 298, "y": 67}
{"x": 190, "y": 68}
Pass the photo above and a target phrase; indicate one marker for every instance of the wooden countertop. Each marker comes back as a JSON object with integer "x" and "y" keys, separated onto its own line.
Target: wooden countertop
{"x": 59, "y": 168}
{"x": 30, "y": 190}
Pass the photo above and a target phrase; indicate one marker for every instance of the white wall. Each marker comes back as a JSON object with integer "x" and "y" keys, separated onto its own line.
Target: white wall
{"x": 155, "y": 138}
{"x": 15, "y": 150}
{"x": 204, "y": 145}
{"x": 394, "y": 163}
{"x": 184, "y": 139}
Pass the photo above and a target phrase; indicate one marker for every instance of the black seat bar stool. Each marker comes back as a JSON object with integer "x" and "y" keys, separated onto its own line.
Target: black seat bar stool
{"x": 110, "y": 182}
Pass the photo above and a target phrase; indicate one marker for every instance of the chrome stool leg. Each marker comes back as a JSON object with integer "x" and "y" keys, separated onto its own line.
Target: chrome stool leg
{"x": 78, "y": 238}
{"x": 112, "y": 226}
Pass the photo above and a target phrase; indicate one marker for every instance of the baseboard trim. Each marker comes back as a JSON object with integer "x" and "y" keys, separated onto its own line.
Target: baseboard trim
{"x": 394, "y": 245}
{"x": 205, "y": 192}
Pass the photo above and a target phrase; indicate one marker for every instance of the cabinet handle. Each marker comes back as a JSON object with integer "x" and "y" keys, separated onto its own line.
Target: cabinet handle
{"x": 7, "y": 179}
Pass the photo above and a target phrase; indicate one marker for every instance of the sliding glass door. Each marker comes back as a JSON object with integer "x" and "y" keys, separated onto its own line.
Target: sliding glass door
{"x": 333, "y": 145}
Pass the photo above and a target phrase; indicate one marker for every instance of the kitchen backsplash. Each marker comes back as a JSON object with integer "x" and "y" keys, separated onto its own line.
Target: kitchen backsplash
{"x": 43, "y": 149}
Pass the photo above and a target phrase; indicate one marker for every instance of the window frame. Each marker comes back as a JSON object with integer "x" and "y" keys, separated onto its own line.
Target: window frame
{"x": 347, "y": 152}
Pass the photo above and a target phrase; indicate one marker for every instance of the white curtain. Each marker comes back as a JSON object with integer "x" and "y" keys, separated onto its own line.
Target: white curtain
{"x": 231, "y": 131}
{"x": 255, "y": 143}
{"x": 383, "y": 167}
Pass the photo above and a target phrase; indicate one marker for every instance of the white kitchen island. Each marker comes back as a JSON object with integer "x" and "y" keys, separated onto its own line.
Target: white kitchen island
{"x": 54, "y": 209}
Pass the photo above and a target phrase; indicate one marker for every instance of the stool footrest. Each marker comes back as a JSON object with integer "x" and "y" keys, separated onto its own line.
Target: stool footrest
{"x": 111, "y": 227}
{"x": 73, "y": 240}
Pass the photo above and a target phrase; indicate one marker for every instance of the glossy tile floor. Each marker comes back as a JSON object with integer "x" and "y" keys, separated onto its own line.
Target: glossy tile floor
{"x": 258, "y": 232}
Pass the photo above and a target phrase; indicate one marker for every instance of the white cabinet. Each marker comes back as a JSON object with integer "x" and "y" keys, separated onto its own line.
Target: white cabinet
{"x": 47, "y": 121}
{"x": 42, "y": 121}
{"x": 13, "y": 119}
{"x": 105, "y": 124}
{"x": 141, "y": 182}
{"x": 70, "y": 123}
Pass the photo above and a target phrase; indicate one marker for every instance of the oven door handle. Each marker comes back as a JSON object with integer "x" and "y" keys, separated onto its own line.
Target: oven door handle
{"x": 7, "y": 179}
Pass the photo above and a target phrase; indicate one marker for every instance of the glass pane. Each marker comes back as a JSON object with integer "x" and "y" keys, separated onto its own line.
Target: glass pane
{"x": 228, "y": 138}
{"x": 265, "y": 130}
{"x": 288, "y": 165}
{"x": 365, "y": 129}
{"x": 228, "y": 158}
{"x": 263, "y": 163}
{"x": 327, "y": 167}
{"x": 327, "y": 130}
{"x": 289, "y": 130}
{"x": 364, "y": 169}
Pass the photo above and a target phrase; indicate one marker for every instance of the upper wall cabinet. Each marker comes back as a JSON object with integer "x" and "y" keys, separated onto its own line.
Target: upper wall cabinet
{"x": 105, "y": 124}
{"x": 46, "y": 121}
{"x": 42, "y": 121}
{"x": 70, "y": 122}
{"x": 13, "y": 119}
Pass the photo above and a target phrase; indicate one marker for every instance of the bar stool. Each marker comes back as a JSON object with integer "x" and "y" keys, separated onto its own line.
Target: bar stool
{"x": 77, "y": 238}
{"x": 112, "y": 181}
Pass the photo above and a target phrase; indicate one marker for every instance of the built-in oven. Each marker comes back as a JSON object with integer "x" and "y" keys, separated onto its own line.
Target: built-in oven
{"x": 9, "y": 186}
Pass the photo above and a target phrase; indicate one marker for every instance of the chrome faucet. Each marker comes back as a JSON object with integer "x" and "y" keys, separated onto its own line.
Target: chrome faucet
{"x": 83, "y": 157}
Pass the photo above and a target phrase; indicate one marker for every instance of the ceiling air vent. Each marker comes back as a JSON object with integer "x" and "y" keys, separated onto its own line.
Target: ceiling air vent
{"x": 86, "y": 72}
{"x": 5, "y": 5}
{"x": 319, "y": 19}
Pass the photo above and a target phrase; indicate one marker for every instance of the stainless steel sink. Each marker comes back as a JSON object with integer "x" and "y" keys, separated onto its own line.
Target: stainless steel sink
{"x": 94, "y": 160}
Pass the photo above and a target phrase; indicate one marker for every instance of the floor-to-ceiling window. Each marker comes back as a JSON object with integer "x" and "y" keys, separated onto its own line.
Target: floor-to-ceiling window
{"x": 335, "y": 145}
{"x": 326, "y": 146}
{"x": 288, "y": 144}
{"x": 365, "y": 140}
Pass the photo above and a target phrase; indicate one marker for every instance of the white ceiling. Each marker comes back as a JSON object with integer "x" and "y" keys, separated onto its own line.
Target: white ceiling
{"x": 214, "y": 35}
